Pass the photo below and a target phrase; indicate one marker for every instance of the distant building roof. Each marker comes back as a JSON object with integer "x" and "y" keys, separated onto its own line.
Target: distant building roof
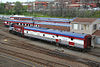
{"x": 87, "y": 20}
{"x": 97, "y": 33}
{"x": 45, "y": 0}
{"x": 75, "y": 5}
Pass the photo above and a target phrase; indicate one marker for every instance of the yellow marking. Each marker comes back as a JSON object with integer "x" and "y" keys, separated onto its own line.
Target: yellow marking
{"x": 5, "y": 40}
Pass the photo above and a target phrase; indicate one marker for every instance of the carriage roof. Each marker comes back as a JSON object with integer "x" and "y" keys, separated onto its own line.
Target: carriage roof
{"x": 20, "y": 21}
{"x": 44, "y": 23}
{"x": 55, "y": 24}
{"x": 64, "y": 33}
{"x": 54, "y": 19}
{"x": 21, "y": 17}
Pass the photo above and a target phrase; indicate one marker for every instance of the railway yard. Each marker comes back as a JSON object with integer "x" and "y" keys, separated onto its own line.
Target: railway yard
{"x": 37, "y": 53}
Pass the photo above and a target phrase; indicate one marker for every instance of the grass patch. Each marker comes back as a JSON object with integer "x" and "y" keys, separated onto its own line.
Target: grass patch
{"x": 41, "y": 15}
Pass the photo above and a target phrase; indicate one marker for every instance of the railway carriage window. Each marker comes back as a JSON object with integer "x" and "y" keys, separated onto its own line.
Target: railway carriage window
{"x": 20, "y": 23}
{"x": 24, "y": 24}
{"x": 12, "y": 25}
{"x": 29, "y": 24}
{"x": 36, "y": 25}
{"x": 27, "y": 31}
{"x": 17, "y": 23}
{"x": 43, "y": 34}
{"x": 53, "y": 36}
{"x": 57, "y": 35}
{"x": 71, "y": 38}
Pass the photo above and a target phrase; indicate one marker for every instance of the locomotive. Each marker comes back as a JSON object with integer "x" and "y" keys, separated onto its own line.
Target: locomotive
{"x": 77, "y": 40}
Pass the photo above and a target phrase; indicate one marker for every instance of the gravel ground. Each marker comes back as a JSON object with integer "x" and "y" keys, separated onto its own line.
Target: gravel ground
{"x": 6, "y": 62}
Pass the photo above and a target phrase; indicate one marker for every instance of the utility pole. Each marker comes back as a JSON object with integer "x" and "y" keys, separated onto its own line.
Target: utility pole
{"x": 32, "y": 7}
{"x": 61, "y": 6}
{"x": 27, "y": 6}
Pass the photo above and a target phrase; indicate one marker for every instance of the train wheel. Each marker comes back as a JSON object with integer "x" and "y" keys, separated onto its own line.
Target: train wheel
{"x": 57, "y": 44}
{"x": 10, "y": 31}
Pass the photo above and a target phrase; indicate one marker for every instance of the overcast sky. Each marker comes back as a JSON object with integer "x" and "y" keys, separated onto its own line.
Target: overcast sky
{"x": 4, "y": 1}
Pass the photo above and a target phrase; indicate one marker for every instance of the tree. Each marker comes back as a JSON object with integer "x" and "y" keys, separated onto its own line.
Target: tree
{"x": 2, "y": 8}
{"x": 8, "y": 8}
{"x": 18, "y": 8}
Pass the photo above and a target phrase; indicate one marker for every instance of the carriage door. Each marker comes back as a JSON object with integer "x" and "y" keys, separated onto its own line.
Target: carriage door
{"x": 89, "y": 41}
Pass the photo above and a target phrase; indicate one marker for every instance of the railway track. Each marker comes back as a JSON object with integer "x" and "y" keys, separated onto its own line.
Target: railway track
{"x": 3, "y": 28}
{"x": 40, "y": 61}
{"x": 32, "y": 47}
{"x": 94, "y": 53}
{"x": 91, "y": 52}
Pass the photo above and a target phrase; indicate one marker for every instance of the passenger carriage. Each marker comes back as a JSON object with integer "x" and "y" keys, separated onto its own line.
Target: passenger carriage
{"x": 21, "y": 18}
{"x": 82, "y": 41}
{"x": 18, "y": 22}
{"x": 52, "y": 20}
{"x": 56, "y": 26}
{"x": 43, "y": 19}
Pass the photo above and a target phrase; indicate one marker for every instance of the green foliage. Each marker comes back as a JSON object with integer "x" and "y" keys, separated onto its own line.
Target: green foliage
{"x": 5, "y": 8}
{"x": 18, "y": 8}
{"x": 96, "y": 14}
{"x": 2, "y": 8}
